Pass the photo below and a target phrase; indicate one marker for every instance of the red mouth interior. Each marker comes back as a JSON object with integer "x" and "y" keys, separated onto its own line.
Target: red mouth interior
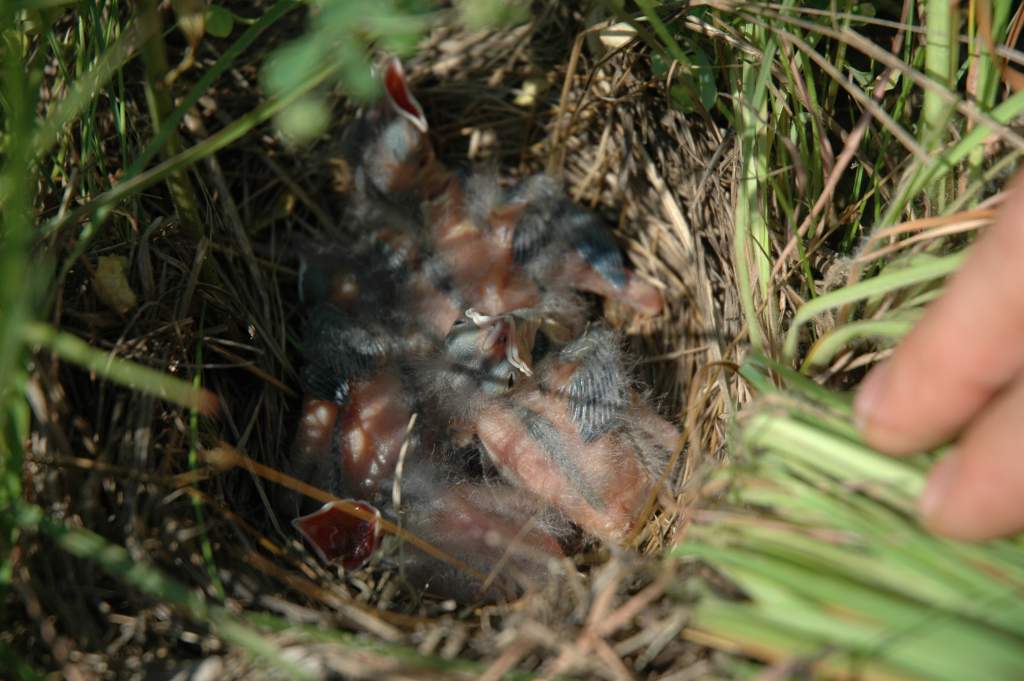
{"x": 339, "y": 536}
{"x": 394, "y": 82}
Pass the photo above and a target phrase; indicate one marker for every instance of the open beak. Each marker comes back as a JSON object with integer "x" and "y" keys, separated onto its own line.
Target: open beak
{"x": 400, "y": 96}
{"x": 346, "y": 533}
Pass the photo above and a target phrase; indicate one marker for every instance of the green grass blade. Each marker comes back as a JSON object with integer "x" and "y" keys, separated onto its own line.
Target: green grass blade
{"x": 15, "y": 205}
{"x": 86, "y": 87}
{"x": 751, "y": 259}
{"x": 129, "y": 374}
{"x": 19, "y": 281}
{"x": 893, "y": 480}
{"x": 819, "y": 532}
{"x": 758, "y": 364}
{"x": 887, "y": 282}
{"x": 833, "y": 342}
{"x": 147, "y": 578}
{"x": 231, "y": 133}
{"x": 1005, "y": 112}
{"x": 940, "y": 64}
{"x": 226, "y": 60}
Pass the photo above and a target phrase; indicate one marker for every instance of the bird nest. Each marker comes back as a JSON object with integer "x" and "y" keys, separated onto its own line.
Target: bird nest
{"x": 549, "y": 96}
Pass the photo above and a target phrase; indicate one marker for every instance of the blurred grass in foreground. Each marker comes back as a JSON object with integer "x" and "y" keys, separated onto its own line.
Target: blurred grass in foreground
{"x": 819, "y": 533}
{"x": 863, "y": 161}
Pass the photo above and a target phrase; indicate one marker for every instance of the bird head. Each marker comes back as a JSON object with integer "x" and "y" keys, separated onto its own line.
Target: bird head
{"x": 480, "y": 355}
{"x": 400, "y": 158}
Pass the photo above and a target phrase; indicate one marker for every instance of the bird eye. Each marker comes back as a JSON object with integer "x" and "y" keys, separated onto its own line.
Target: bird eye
{"x": 511, "y": 380}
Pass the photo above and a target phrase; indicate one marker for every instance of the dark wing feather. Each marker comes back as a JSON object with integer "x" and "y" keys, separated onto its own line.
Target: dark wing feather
{"x": 536, "y": 228}
{"x": 594, "y": 242}
{"x": 340, "y": 349}
{"x": 597, "y": 390}
{"x": 532, "y": 235}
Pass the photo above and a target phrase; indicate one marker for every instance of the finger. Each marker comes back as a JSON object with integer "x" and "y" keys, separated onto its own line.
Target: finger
{"x": 977, "y": 491}
{"x": 964, "y": 350}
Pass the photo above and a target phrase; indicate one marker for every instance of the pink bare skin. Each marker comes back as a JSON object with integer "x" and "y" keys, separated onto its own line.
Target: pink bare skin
{"x": 638, "y": 294}
{"x": 373, "y": 429}
{"x": 605, "y": 487}
{"x": 959, "y": 375}
{"x": 481, "y": 264}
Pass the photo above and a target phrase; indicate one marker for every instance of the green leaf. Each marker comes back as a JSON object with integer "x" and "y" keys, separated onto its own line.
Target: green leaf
{"x": 658, "y": 65}
{"x": 291, "y": 64}
{"x": 488, "y": 14}
{"x": 219, "y": 21}
{"x": 696, "y": 89}
{"x": 705, "y": 76}
{"x": 304, "y": 120}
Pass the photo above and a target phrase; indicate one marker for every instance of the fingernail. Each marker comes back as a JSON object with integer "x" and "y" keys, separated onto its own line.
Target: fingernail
{"x": 936, "y": 491}
{"x": 869, "y": 394}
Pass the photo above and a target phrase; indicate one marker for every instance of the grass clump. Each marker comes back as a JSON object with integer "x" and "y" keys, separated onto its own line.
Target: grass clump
{"x": 816, "y": 530}
{"x": 820, "y": 534}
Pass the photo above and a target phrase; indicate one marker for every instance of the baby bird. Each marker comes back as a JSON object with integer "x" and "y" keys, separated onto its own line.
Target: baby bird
{"x": 357, "y": 406}
{"x": 572, "y": 432}
{"x": 505, "y": 249}
{"x": 561, "y": 244}
{"x": 495, "y": 542}
{"x": 506, "y": 541}
{"x": 362, "y": 385}
{"x": 390, "y": 150}
{"x": 487, "y": 247}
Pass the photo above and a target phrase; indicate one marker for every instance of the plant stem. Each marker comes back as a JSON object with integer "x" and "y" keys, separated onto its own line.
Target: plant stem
{"x": 940, "y": 64}
{"x": 154, "y": 56}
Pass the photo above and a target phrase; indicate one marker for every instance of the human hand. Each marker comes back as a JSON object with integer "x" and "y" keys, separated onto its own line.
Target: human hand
{"x": 960, "y": 373}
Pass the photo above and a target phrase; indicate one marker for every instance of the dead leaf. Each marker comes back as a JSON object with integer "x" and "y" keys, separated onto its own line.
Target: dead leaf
{"x": 112, "y": 285}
